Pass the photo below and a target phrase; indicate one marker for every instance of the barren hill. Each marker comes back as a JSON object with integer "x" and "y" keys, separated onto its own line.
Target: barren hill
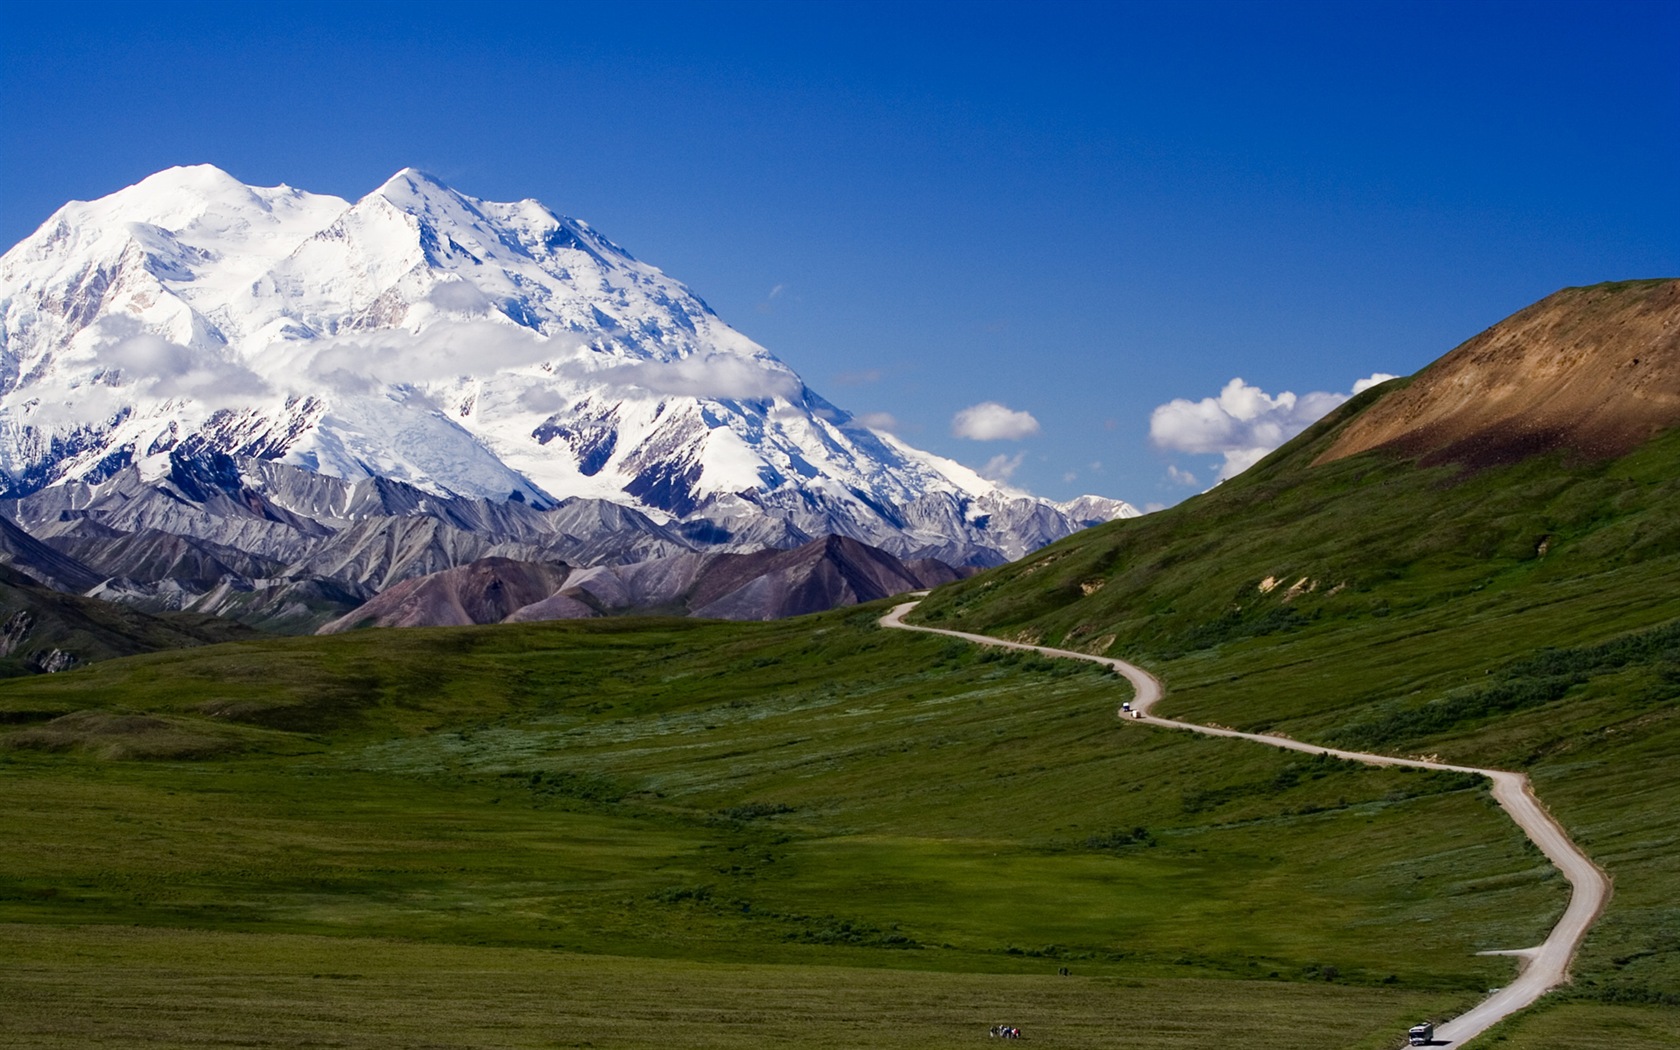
{"x": 1595, "y": 370}
{"x": 484, "y": 591}
{"x": 823, "y": 574}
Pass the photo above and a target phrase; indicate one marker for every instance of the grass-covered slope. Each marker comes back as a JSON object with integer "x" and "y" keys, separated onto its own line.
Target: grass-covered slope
{"x": 1288, "y": 545}
{"x": 801, "y": 796}
{"x": 1524, "y": 616}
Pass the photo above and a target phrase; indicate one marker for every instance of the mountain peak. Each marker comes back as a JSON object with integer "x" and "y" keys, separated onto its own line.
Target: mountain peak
{"x": 170, "y": 199}
{"x": 411, "y": 186}
{"x": 412, "y": 178}
{"x": 466, "y": 347}
{"x": 192, "y": 178}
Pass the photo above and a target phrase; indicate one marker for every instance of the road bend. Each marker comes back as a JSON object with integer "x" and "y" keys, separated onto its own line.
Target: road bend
{"x": 1543, "y": 967}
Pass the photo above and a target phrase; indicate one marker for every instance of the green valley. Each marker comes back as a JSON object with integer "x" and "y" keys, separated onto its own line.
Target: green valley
{"x": 813, "y": 793}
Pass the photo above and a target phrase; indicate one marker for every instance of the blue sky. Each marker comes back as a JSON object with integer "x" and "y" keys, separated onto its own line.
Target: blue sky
{"x": 1078, "y": 212}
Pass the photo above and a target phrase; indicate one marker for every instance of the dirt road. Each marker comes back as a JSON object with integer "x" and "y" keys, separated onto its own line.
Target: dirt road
{"x": 1545, "y": 966}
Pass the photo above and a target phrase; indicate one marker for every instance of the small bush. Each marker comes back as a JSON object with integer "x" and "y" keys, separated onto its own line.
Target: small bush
{"x": 1120, "y": 839}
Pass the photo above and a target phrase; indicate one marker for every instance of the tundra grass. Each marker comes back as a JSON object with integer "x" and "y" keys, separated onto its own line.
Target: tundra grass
{"x": 71, "y": 988}
{"x": 809, "y": 794}
{"x": 1525, "y": 617}
{"x": 1583, "y": 1026}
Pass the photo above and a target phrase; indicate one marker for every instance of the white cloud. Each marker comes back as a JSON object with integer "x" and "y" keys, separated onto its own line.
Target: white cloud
{"x": 368, "y": 361}
{"x": 363, "y": 362}
{"x": 724, "y": 376}
{"x": 1180, "y": 477}
{"x": 990, "y": 421}
{"x": 539, "y": 398}
{"x": 1070, "y": 476}
{"x": 461, "y": 296}
{"x": 1243, "y": 423}
{"x": 1001, "y": 467}
{"x": 879, "y": 421}
{"x": 164, "y": 369}
{"x": 1374, "y": 379}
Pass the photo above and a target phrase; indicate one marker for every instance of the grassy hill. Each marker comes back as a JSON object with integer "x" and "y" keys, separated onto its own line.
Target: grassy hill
{"x": 1524, "y": 615}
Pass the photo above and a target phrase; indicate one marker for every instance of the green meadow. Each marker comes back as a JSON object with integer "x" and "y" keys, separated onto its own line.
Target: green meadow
{"x": 135, "y": 987}
{"x": 684, "y": 833}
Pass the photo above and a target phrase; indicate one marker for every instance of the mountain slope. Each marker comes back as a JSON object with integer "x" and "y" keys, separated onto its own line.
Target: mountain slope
{"x": 767, "y": 585}
{"x": 44, "y": 630}
{"x": 1316, "y": 530}
{"x": 485, "y": 591}
{"x": 41, "y": 562}
{"x": 1593, "y": 370}
{"x": 464, "y": 347}
{"x": 1522, "y": 615}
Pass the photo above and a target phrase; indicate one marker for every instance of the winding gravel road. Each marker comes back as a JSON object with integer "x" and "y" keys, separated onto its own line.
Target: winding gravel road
{"x": 1544, "y": 967}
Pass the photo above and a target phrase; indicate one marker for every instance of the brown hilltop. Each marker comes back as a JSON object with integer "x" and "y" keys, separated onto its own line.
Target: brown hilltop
{"x": 1594, "y": 370}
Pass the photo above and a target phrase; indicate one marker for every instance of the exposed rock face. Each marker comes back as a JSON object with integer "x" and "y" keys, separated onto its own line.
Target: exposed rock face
{"x": 485, "y": 591}
{"x": 15, "y": 631}
{"x": 54, "y": 661}
{"x": 1594, "y": 370}
{"x": 42, "y": 563}
{"x": 285, "y": 549}
{"x": 151, "y": 555}
{"x": 823, "y": 574}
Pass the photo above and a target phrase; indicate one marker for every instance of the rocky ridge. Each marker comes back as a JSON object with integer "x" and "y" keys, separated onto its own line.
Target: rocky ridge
{"x": 766, "y": 585}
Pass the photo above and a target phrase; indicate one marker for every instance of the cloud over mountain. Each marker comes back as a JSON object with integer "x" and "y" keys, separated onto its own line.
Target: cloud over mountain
{"x": 362, "y": 362}
{"x": 990, "y": 421}
{"x": 161, "y": 368}
{"x": 1243, "y": 423}
{"x": 1002, "y": 467}
{"x": 725, "y": 376}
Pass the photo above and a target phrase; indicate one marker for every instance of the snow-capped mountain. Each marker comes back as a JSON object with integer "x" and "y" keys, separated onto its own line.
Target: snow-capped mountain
{"x": 466, "y": 348}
